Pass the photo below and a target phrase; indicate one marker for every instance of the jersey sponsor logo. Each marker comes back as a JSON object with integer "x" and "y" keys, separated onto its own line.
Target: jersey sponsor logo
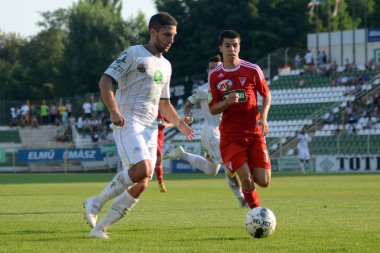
{"x": 241, "y": 94}
{"x": 242, "y": 80}
{"x": 158, "y": 76}
{"x": 224, "y": 85}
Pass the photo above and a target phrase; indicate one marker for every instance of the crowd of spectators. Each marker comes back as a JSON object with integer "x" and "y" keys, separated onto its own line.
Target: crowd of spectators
{"x": 362, "y": 114}
{"x": 90, "y": 120}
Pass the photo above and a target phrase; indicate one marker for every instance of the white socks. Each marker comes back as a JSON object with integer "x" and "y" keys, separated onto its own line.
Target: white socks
{"x": 201, "y": 163}
{"x": 120, "y": 183}
{"x": 233, "y": 183}
{"x": 121, "y": 206}
{"x": 302, "y": 165}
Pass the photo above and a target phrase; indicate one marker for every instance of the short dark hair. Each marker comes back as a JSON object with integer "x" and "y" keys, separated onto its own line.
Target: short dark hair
{"x": 229, "y": 34}
{"x": 215, "y": 58}
{"x": 160, "y": 20}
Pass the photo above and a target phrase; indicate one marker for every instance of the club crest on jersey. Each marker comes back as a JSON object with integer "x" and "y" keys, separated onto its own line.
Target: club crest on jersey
{"x": 141, "y": 68}
{"x": 242, "y": 80}
{"x": 224, "y": 85}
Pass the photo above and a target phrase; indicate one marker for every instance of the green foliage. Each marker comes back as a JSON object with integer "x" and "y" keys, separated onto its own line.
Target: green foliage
{"x": 97, "y": 33}
{"x": 315, "y": 213}
{"x": 77, "y": 44}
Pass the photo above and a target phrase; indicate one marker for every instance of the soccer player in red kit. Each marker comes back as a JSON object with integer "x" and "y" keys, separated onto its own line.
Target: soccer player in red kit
{"x": 233, "y": 91}
{"x": 158, "y": 169}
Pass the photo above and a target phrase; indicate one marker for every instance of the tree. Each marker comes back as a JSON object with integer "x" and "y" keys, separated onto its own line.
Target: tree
{"x": 97, "y": 33}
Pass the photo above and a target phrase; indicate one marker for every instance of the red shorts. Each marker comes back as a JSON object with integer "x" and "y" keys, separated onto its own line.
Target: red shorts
{"x": 251, "y": 150}
{"x": 160, "y": 141}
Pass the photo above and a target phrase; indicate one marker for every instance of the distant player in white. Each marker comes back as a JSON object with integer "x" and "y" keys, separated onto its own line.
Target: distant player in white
{"x": 143, "y": 77}
{"x": 210, "y": 137}
{"x": 303, "y": 149}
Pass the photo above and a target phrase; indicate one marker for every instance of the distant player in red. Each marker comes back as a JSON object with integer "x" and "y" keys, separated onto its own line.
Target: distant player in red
{"x": 158, "y": 169}
{"x": 233, "y": 91}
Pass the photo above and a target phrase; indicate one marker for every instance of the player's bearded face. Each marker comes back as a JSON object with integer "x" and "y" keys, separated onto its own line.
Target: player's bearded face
{"x": 165, "y": 38}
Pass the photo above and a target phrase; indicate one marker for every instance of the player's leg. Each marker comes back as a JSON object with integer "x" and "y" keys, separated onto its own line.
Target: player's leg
{"x": 248, "y": 187}
{"x": 160, "y": 174}
{"x": 158, "y": 167}
{"x": 142, "y": 168}
{"x": 234, "y": 185}
{"x": 259, "y": 162}
{"x": 236, "y": 160}
{"x": 196, "y": 161}
{"x": 121, "y": 207}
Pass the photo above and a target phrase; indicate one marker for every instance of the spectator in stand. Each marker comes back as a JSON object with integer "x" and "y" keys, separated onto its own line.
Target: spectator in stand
{"x": 44, "y": 113}
{"x": 87, "y": 109}
{"x": 319, "y": 59}
{"x": 324, "y": 57}
{"x": 80, "y": 124}
{"x": 61, "y": 111}
{"x": 309, "y": 59}
{"x": 24, "y": 112}
{"x": 53, "y": 113}
{"x": 99, "y": 108}
{"x": 14, "y": 116}
{"x": 69, "y": 108}
{"x": 298, "y": 61}
{"x": 34, "y": 112}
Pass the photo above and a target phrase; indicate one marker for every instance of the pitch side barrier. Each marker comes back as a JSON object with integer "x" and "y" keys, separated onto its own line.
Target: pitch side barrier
{"x": 59, "y": 160}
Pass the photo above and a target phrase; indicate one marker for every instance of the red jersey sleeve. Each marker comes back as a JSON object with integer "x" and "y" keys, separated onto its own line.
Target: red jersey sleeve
{"x": 214, "y": 95}
{"x": 260, "y": 82}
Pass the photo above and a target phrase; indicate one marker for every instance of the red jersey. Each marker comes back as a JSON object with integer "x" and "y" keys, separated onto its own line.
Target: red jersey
{"x": 247, "y": 79}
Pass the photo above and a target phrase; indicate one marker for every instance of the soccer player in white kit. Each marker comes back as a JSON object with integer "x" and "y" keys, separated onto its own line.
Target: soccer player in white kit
{"x": 143, "y": 77}
{"x": 210, "y": 137}
{"x": 303, "y": 149}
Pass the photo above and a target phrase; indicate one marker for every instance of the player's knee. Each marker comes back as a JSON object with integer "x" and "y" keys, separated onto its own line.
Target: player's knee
{"x": 263, "y": 182}
{"x": 247, "y": 182}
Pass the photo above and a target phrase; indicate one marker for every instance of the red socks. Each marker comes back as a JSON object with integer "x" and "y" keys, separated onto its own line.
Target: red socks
{"x": 252, "y": 198}
{"x": 159, "y": 174}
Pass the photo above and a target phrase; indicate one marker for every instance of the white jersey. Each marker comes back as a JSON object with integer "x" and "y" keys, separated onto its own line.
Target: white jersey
{"x": 143, "y": 78}
{"x": 200, "y": 96}
{"x": 303, "y": 141}
{"x": 303, "y": 146}
{"x": 210, "y": 137}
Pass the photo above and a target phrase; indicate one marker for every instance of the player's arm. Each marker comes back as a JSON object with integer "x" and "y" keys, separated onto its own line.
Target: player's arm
{"x": 187, "y": 111}
{"x": 264, "y": 114}
{"x": 168, "y": 111}
{"x": 219, "y": 107}
{"x": 108, "y": 97}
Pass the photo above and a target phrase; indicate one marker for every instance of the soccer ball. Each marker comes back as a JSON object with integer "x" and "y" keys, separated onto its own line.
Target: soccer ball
{"x": 260, "y": 222}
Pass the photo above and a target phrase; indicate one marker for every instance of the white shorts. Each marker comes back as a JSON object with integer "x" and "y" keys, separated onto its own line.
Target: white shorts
{"x": 210, "y": 139}
{"x": 136, "y": 143}
{"x": 303, "y": 154}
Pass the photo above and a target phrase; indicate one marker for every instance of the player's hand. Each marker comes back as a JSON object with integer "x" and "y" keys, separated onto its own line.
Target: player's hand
{"x": 188, "y": 120}
{"x": 117, "y": 119}
{"x": 264, "y": 127}
{"x": 186, "y": 130}
{"x": 232, "y": 98}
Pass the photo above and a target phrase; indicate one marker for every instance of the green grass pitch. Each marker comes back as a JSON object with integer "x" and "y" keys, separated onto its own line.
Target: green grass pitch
{"x": 315, "y": 213}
